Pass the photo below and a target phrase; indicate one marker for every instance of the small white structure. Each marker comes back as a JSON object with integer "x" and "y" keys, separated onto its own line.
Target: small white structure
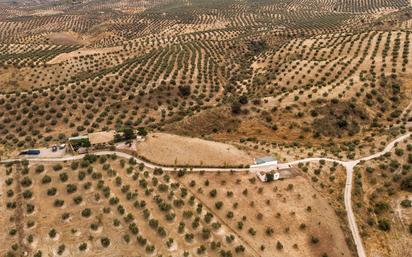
{"x": 264, "y": 164}
{"x": 268, "y": 176}
{"x": 140, "y": 138}
{"x": 265, "y": 159}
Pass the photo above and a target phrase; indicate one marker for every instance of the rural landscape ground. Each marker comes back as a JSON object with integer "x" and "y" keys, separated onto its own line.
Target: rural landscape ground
{"x": 195, "y": 91}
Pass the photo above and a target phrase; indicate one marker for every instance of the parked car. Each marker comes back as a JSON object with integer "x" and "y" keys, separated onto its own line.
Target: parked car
{"x": 54, "y": 148}
{"x": 30, "y": 152}
{"x": 62, "y": 146}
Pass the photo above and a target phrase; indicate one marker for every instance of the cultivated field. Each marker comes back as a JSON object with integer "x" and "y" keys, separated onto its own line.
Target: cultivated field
{"x": 265, "y": 74}
{"x": 110, "y": 206}
{"x": 287, "y": 218}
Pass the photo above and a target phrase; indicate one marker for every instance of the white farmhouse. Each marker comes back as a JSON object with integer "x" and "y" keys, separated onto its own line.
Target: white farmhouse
{"x": 268, "y": 176}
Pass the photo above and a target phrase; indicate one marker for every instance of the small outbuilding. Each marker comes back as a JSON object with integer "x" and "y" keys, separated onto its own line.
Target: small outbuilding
{"x": 79, "y": 142}
{"x": 97, "y": 140}
{"x": 264, "y": 164}
{"x": 268, "y": 176}
{"x": 265, "y": 159}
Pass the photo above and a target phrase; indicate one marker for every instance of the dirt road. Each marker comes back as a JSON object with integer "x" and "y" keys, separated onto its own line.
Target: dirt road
{"x": 348, "y": 164}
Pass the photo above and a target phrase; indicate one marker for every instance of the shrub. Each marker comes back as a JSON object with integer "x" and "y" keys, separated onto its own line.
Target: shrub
{"x": 279, "y": 245}
{"x": 74, "y": 166}
{"x": 46, "y": 179}
{"x": 63, "y": 177}
{"x": 61, "y": 249}
{"x": 314, "y": 240}
{"x": 86, "y": 213}
{"x": 243, "y": 99}
{"x": 381, "y": 207}
{"x": 213, "y": 193}
{"x": 57, "y": 167}
{"x": 51, "y": 191}
{"x": 398, "y": 151}
{"x": 184, "y": 90}
{"x": 83, "y": 247}
{"x": 105, "y": 241}
{"x": 406, "y": 203}
{"x": 27, "y": 194}
{"x": 52, "y": 233}
{"x": 39, "y": 168}
{"x": 71, "y": 188}
{"x": 26, "y": 182}
{"x": 384, "y": 225}
{"x": 406, "y": 184}
{"x": 58, "y": 203}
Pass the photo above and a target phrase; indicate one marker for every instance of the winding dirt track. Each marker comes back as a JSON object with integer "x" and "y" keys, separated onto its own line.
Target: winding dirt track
{"x": 348, "y": 164}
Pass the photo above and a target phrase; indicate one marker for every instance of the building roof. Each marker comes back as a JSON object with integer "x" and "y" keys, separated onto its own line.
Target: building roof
{"x": 101, "y": 137}
{"x": 78, "y": 138}
{"x": 264, "y": 159}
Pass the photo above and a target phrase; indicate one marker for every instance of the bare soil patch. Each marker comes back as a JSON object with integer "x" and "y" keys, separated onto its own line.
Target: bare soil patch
{"x": 65, "y": 38}
{"x": 47, "y": 12}
{"x": 81, "y": 52}
{"x": 263, "y": 214}
{"x": 171, "y": 149}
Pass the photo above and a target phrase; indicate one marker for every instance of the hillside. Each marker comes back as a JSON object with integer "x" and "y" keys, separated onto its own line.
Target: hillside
{"x": 193, "y": 91}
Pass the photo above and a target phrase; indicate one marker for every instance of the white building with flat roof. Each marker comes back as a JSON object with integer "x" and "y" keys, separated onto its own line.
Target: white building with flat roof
{"x": 264, "y": 164}
{"x": 268, "y": 176}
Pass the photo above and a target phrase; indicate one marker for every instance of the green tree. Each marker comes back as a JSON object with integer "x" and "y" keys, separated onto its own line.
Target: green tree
{"x": 184, "y": 90}
{"x": 141, "y": 131}
{"x": 128, "y": 133}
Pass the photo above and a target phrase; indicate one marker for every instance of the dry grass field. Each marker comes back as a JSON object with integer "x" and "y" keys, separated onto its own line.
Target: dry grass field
{"x": 168, "y": 149}
{"x": 286, "y": 218}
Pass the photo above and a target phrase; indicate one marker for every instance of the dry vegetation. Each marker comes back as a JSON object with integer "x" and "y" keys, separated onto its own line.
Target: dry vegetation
{"x": 110, "y": 206}
{"x": 265, "y": 74}
{"x": 287, "y": 78}
{"x": 169, "y": 150}
{"x": 383, "y": 202}
{"x": 286, "y": 218}
{"x": 106, "y": 206}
